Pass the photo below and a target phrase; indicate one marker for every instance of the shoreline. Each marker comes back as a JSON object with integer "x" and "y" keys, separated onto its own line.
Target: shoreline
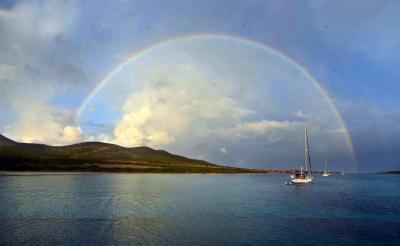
{"x": 45, "y": 173}
{"x": 91, "y": 172}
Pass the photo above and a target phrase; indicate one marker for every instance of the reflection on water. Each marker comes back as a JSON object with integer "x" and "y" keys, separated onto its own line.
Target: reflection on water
{"x": 101, "y": 209}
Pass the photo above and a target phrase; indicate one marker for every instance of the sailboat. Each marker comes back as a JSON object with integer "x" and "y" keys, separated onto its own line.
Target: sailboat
{"x": 342, "y": 172}
{"x": 305, "y": 176}
{"x": 326, "y": 173}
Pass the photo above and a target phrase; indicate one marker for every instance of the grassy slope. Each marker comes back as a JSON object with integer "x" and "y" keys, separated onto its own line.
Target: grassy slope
{"x": 96, "y": 156}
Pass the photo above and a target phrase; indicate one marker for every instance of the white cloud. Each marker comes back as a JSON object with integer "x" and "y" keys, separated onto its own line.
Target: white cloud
{"x": 41, "y": 124}
{"x": 263, "y": 127}
{"x": 7, "y": 72}
{"x": 156, "y": 117}
{"x": 223, "y": 151}
{"x": 90, "y": 138}
{"x": 39, "y": 20}
{"x": 299, "y": 114}
{"x": 34, "y": 38}
{"x": 339, "y": 130}
{"x": 134, "y": 129}
{"x": 162, "y": 111}
{"x": 72, "y": 134}
{"x": 152, "y": 117}
{"x": 221, "y": 107}
{"x": 105, "y": 138}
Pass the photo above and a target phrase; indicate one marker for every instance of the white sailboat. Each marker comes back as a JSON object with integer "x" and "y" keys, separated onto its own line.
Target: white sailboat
{"x": 304, "y": 177}
{"x": 326, "y": 173}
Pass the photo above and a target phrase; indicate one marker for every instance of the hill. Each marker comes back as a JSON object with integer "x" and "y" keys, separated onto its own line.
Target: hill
{"x": 390, "y": 172}
{"x": 101, "y": 157}
{"x": 6, "y": 141}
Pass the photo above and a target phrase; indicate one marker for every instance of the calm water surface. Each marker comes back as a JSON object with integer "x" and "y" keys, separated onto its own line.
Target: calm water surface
{"x": 156, "y": 209}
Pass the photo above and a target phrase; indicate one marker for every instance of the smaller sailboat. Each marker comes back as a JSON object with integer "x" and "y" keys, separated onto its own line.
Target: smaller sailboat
{"x": 305, "y": 176}
{"x": 326, "y": 173}
{"x": 342, "y": 172}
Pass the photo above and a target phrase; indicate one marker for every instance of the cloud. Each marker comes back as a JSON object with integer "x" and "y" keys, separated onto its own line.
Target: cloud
{"x": 257, "y": 128}
{"x": 172, "y": 101}
{"x": 134, "y": 129}
{"x": 72, "y": 134}
{"x": 7, "y": 72}
{"x": 158, "y": 116}
{"x": 41, "y": 124}
{"x": 202, "y": 98}
{"x": 220, "y": 107}
{"x": 300, "y": 114}
{"x": 35, "y": 37}
{"x": 223, "y": 151}
{"x": 152, "y": 117}
{"x": 37, "y": 64}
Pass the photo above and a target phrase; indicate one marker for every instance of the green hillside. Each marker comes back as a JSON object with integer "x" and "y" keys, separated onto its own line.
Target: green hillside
{"x": 102, "y": 157}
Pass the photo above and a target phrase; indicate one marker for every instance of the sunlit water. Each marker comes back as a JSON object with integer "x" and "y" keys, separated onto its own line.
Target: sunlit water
{"x": 156, "y": 209}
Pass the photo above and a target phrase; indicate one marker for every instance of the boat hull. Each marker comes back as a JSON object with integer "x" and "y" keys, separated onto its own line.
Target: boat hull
{"x": 301, "y": 181}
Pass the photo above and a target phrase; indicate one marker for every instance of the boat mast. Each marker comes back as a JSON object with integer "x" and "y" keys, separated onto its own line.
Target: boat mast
{"x": 305, "y": 149}
{"x": 326, "y": 166}
{"x": 307, "y": 152}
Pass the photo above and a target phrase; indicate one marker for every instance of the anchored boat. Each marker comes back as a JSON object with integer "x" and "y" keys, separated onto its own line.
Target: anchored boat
{"x": 304, "y": 176}
{"x": 326, "y": 173}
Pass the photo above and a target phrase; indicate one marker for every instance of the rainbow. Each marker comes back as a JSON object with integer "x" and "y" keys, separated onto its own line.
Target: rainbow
{"x": 202, "y": 36}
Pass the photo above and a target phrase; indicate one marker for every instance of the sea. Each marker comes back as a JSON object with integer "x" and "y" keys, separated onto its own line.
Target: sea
{"x": 180, "y": 209}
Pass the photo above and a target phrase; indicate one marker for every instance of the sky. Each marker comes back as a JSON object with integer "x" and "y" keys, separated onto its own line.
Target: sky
{"x": 231, "y": 82}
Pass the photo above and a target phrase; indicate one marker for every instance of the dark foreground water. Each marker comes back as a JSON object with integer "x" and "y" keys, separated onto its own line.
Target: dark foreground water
{"x": 154, "y": 209}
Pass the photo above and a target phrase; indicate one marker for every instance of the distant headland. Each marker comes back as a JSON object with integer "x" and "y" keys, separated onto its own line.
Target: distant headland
{"x": 104, "y": 157}
{"x": 390, "y": 172}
